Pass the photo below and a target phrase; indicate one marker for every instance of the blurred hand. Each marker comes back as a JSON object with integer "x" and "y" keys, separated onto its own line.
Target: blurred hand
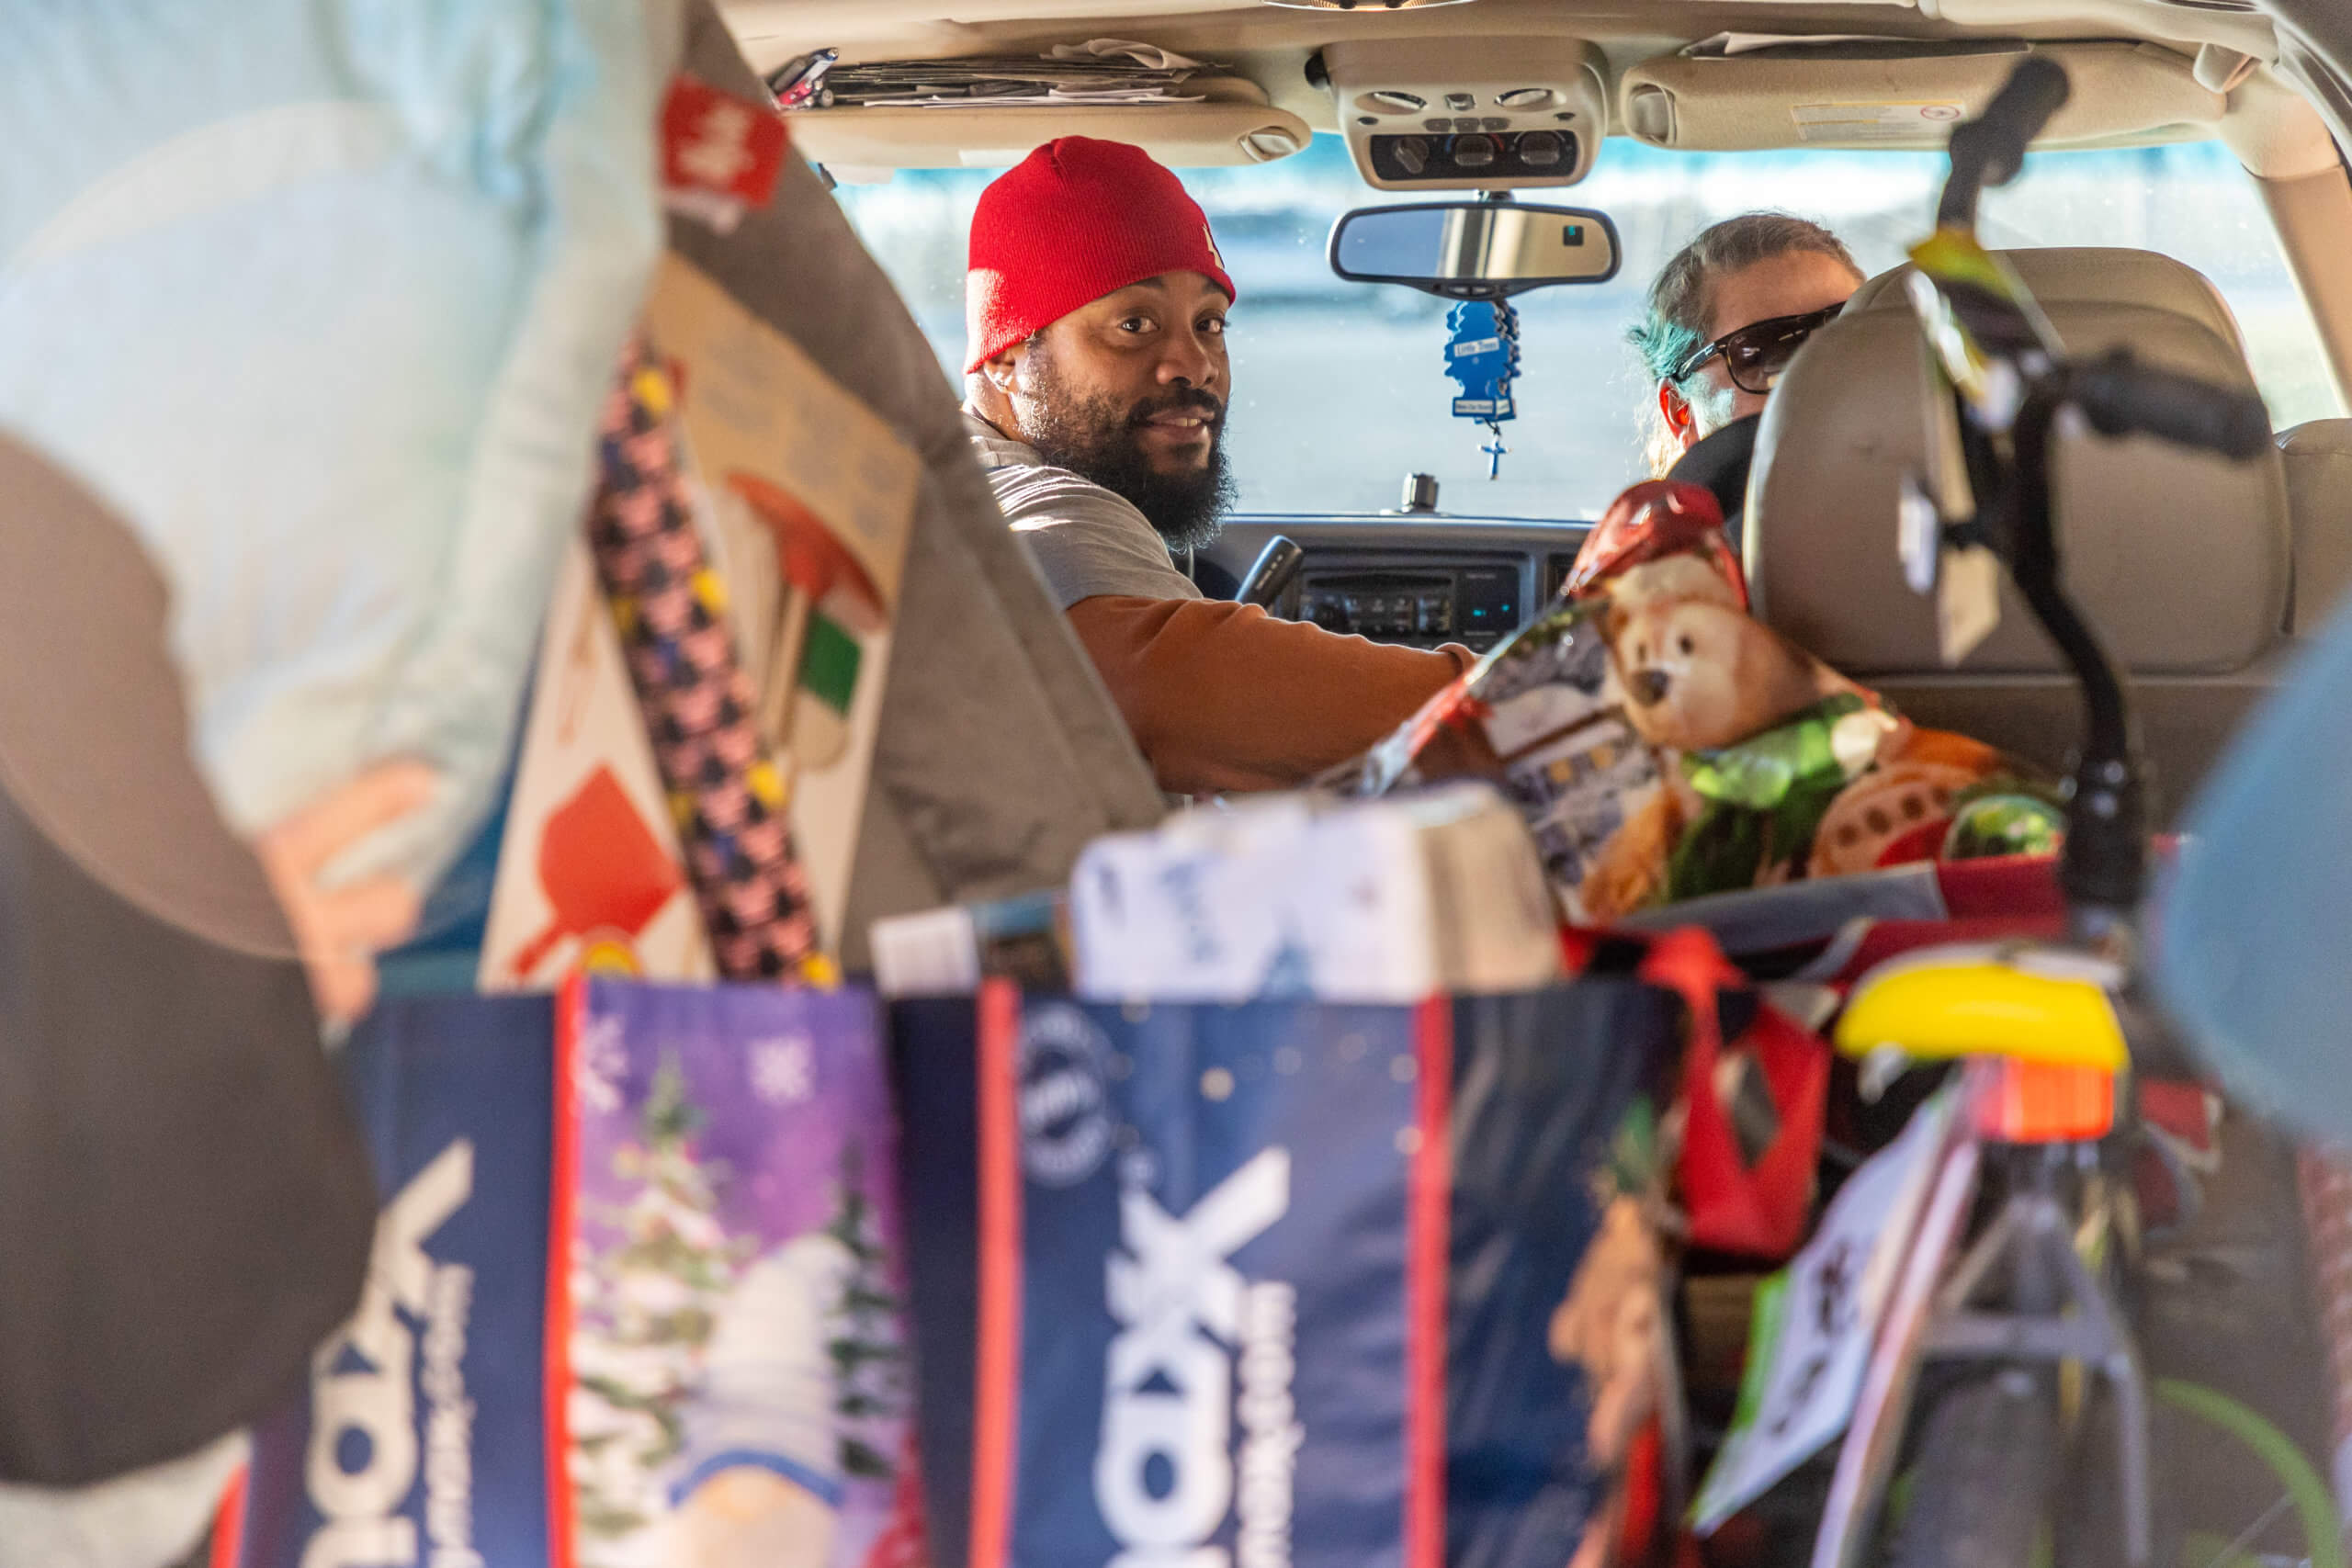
{"x": 340, "y": 929}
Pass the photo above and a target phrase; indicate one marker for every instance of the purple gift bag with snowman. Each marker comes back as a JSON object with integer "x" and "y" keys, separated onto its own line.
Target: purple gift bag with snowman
{"x": 636, "y": 1299}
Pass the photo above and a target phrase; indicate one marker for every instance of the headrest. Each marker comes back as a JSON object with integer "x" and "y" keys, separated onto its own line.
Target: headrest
{"x": 2091, "y": 275}
{"x": 1719, "y": 465}
{"x": 2182, "y": 560}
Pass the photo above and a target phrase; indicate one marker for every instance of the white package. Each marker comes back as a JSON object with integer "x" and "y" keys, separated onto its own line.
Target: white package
{"x": 1382, "y": 901}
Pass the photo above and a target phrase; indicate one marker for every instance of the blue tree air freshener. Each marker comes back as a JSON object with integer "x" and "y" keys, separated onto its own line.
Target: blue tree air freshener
{"x": 1481, "y": 357}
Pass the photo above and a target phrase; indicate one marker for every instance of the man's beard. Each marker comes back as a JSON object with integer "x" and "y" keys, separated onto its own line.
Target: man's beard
{"x": 1097, "y": 439}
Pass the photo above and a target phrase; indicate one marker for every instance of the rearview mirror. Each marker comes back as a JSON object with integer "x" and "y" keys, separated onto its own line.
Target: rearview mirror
{"x": 1474, "y": 250}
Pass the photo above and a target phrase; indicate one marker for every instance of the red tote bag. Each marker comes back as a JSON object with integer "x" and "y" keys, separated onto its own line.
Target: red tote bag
{"x": 1755, "y": 1208}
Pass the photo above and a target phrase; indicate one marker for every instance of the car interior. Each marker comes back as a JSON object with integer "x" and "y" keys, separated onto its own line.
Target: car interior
{"x": 2192, "y": 200}
{"x": 2202, "y": 574}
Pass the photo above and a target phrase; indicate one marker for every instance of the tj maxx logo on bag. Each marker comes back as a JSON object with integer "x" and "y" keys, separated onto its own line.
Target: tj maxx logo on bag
{"x": 1066, "y": 1120}
{"x": 1184, "y": 1310}
{"x": 364, "y": 1380}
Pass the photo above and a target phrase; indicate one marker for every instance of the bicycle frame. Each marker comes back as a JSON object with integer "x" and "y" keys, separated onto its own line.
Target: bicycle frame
{"x": 1999, "y": 364}
{"x": 2000, "y": 369}
{"x": 1933, "y": 1317}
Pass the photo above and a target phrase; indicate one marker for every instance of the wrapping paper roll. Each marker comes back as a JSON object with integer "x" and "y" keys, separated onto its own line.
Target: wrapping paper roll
{"x": 726, "y": 792}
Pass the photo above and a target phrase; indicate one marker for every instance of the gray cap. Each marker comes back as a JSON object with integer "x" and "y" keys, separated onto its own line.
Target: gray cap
{"x": 94, "y": 730}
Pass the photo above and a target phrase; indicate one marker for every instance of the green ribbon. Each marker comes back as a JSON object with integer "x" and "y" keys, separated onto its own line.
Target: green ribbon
{"x": 1759, "y": 773}
{"x": 1766, "y": 795}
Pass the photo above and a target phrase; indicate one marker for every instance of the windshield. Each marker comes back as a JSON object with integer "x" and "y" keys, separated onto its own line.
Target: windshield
{"x": 1339, "y": 389}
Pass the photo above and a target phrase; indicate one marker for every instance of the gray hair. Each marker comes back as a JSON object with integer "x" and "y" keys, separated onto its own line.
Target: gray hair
{"x": 1682, "y": 303}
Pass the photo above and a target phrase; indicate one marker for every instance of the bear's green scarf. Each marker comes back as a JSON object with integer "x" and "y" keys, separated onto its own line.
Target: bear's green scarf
{"x": 1765, "y": 796}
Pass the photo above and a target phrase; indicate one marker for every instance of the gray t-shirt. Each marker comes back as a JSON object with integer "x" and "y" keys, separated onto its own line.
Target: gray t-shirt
{"x": 1088, "y": 541}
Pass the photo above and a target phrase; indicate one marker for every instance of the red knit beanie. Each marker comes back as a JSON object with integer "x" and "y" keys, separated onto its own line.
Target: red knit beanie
{"x": 1075, "y": 219}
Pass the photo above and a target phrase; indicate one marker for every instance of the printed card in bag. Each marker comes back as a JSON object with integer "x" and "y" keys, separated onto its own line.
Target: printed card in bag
{"x": 1816, "y": 1321}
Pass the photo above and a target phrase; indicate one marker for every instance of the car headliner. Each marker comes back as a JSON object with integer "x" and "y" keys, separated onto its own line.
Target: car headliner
{"x": 1271, "y": 44}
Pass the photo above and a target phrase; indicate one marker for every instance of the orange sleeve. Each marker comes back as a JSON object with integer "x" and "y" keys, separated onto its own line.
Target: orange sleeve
{"x": 1224, "y": 697}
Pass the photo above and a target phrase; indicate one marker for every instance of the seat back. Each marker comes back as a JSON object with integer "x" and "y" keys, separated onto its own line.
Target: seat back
{"x": 2318, "y": 458}
{"x": 2183, "y": 562}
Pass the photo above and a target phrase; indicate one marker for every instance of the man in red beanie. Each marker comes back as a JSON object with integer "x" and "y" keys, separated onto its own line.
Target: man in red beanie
{"x": 1096, "y": 393}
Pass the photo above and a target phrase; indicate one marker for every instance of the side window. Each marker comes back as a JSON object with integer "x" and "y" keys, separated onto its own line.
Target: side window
{"x": 2191, "y": 201}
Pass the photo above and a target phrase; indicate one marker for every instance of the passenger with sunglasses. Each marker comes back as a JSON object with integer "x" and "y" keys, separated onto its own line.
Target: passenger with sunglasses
{"x": 1725, "y": 317}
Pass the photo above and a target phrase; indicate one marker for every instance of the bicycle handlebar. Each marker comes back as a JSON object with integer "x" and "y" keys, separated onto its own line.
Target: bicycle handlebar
{"x": 1990, "y": 150}
{"x": 2120, "y": 397}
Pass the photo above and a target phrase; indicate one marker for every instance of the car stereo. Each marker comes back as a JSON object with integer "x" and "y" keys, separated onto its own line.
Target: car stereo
{"x": 1476, "y": 606}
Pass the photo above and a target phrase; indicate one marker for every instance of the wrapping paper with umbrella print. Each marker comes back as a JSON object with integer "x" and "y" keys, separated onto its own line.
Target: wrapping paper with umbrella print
{"x": 600, "y": 866}
{"x": 757, "y": 626}
{"x": 589, "y": 871}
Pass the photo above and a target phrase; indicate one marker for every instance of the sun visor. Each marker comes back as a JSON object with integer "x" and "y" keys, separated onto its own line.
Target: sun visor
{"x": 1906, "y": 95}
{"x": 1233, "y": 124}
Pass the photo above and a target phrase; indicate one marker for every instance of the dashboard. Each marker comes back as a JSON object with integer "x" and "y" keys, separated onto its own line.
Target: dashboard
{"x": 1419, "y": 579}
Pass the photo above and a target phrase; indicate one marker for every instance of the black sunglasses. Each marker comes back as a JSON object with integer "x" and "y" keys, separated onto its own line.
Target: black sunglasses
{"x": 1755, "y": 355}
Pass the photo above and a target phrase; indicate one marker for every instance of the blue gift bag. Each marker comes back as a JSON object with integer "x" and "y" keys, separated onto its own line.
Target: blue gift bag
{"x": 1266, "y": 1284}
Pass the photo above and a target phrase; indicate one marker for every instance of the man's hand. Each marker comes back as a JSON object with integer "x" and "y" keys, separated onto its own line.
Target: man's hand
{"x": 339, "y": 930}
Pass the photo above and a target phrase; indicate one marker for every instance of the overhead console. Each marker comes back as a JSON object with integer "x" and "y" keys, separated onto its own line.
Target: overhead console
{"x": 1904, "y": 94}
{"x": 1469, "y": 113}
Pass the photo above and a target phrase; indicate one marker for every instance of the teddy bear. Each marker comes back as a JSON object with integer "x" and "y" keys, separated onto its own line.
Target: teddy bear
{"x": 1608, "y": 1324}
{"x": 1698, "y": 675}
{"x": 1613, "y": 1326}
{"x": 1780, "y": 767}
